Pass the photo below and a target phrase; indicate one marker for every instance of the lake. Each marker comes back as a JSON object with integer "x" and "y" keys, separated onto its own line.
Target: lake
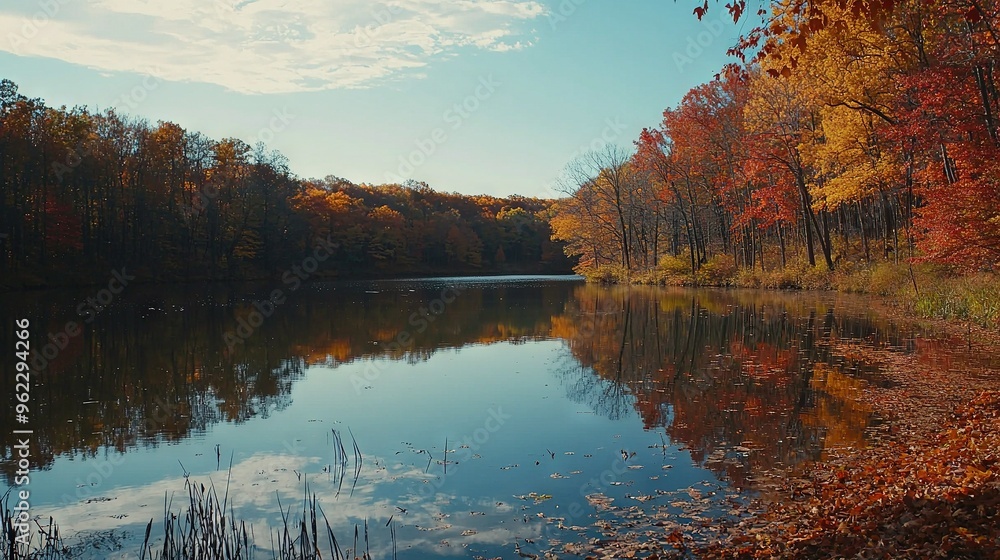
{"x": 490, "y": 415}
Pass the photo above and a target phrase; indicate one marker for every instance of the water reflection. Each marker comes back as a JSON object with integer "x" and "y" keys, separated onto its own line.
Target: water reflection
{"x": 156, "y": 367}
{"x": 747, "y": 380}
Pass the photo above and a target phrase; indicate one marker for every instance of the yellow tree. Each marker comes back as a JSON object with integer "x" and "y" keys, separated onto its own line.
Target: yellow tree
{"x": 613, "y": 215}
{"x": 587, "y": 224}
{"x": 779, "y": 118}
{"x": 851, "y": 73}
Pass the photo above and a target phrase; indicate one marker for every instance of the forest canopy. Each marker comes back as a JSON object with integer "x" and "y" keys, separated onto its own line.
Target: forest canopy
{"x": 848, "y": 131}
{"x": 85, "y": 193}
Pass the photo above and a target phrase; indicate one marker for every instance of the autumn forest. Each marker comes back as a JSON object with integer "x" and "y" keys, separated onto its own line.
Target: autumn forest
{"x": 85, "y": 193}
{"x": 847, "y": 132}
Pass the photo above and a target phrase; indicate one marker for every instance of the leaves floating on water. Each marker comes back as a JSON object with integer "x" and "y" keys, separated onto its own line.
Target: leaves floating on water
{"x": 438, "y": 528}
{"x": 641, "y": 498}
{"x": 600, "y": 501}
{"x": 538, "y": 498}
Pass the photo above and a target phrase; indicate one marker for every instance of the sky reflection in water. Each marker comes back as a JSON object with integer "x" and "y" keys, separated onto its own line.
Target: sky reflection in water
{"x": 537, "y": 385}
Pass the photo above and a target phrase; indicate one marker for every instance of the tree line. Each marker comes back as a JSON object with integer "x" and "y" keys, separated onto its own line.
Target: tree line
{"x": 86, "y": 192}
{"x": 848, "y": 131}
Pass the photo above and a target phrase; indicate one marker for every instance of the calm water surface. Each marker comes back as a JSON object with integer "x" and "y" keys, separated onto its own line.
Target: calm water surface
{"x": 555, "y": 399}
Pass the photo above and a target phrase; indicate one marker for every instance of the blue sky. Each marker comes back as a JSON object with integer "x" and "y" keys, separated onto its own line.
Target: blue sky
{"x": 472, "y": 96}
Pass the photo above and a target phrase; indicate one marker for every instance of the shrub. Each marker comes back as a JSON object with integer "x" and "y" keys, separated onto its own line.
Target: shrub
{"x": 797, "y": 274}
{"x": 607, "y": 274}
{"x": 674, "y": 266}
{"x": 746, "y": 278}
{"x": 851, "y": 277}
{"x": 888, "y": 279}
{"x": 720, "y": 270}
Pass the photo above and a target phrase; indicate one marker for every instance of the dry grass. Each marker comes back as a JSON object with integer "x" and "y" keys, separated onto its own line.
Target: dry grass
{"x": 45, "y": 542}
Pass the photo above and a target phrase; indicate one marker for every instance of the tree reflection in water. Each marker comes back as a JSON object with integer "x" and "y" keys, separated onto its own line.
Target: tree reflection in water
{"x": 746, "y": 380}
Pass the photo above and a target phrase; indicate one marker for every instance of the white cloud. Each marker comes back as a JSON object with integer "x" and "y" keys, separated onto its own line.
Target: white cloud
{"x": 266, "y": 46}
{"x": 255, "y": 486}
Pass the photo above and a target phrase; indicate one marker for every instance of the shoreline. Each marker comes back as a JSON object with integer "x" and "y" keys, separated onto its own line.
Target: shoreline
{"x": 925, "y": 486}
{"x": 318, "y": 277}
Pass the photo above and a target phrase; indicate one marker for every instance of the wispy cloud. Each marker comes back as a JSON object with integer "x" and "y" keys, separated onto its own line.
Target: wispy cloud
{"x": 266, "y": 46}
{"x": 257, "y": 484}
